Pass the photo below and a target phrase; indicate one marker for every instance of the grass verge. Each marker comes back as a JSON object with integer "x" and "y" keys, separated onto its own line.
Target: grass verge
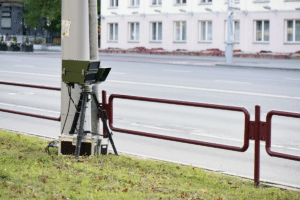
{"x": 27, "y": 172}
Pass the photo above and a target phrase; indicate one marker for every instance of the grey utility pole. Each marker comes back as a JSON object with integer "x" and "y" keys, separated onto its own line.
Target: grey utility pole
{"x": 230, "y": 36}
{"x": 94, "y": 56}
{"x": 75, "y": 46}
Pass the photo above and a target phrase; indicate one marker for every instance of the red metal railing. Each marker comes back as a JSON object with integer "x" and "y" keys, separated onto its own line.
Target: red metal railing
{"x": 29, "y": 114}
{"x": 253, "y": 130}
{"x": 184, "y": 103}
{"x": 268, "y": 133}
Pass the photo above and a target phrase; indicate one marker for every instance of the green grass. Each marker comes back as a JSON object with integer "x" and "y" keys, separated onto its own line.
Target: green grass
{"x": 27, "y": 172}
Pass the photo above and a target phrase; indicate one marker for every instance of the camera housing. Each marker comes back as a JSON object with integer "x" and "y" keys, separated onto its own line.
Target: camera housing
{"x": 83, "y": 72}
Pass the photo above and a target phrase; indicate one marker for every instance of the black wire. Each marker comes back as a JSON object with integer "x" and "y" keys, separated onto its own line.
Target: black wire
{"x": 52, "y": 145}
{"x": 67, "y": 112}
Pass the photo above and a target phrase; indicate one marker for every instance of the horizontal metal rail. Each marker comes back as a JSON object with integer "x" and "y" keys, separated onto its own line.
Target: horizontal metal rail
{"x": 184, "y": 103}
{"x": 30, "y": 86}
{"x": 29, "y": 114}
{"x": 268, "y": 133}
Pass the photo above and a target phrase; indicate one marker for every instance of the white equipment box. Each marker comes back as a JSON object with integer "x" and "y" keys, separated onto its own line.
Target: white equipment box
{"x": 90, "y": 145}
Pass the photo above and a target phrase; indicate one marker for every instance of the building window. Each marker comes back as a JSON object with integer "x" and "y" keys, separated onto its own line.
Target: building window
{"x": 113, "y": 32}
{"x": 180, "y": 31}
{"x": 205, "y": 1}
{"x": 135, "y": 3}
{"x": 205, "y": 31}
{"x": 134, "y": 32}
{"x": 113, "y": 3}
{"x": 262, "y": 31}
{"x": 292, "y": 31}
{"x": 180, "y": 1}
{"x": 6, "y": 17}
{"x": 156, "y": 31}
{"x": 156, "y": 2}
{"x": 236, "y": 31}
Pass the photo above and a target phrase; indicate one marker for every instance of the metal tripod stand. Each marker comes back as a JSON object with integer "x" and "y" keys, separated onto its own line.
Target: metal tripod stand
{"x": 80, "y": 111}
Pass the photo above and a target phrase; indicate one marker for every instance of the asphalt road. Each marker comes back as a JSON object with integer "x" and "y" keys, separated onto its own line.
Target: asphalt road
{"x": 244, "y": 87}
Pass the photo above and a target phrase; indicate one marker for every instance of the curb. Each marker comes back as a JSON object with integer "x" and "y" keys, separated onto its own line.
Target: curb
{"x": 264, "y": 182}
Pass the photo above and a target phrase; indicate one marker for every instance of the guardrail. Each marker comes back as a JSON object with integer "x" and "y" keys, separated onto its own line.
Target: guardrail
{"x": 253, "y": 130}
{"x": 29, "y": 114}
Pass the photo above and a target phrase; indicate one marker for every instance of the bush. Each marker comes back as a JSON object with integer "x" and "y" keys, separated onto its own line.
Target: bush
{"x": 15, "y": 39}
{"x": 36, "y": 42}
{"x": 56, "y": 41}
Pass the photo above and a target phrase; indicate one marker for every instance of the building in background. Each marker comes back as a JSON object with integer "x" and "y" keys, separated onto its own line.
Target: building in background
{"x": 12, "y": 23}
{"x": 259, "y": 25}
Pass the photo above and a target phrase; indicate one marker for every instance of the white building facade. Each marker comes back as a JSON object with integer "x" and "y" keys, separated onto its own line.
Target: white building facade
{"x": 194, "y": 25}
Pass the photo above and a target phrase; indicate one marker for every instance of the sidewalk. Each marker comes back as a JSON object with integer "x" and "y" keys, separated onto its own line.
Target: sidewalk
{"x": 194, "y": 60}
{"x": 264, "y": 63}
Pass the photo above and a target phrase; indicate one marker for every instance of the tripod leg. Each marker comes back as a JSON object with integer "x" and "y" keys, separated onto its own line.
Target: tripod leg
{"x": 80, "y": 131}
{"x": 100, "y": 111}
{"x": 75, "y": 120}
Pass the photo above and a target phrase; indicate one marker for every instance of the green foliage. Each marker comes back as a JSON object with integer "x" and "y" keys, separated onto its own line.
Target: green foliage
{"x": 2, "y": 39}
{"x": 15, "y": 39}
{"x": 27, "y": 172}
{"x": 48, "y": 10}
{"x": 27, "y": 40}
{"x": 35, "y": 10}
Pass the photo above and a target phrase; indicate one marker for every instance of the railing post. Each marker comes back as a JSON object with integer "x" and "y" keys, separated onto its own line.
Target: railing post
{"x": 104, "y": 105}
{"x": 257, "y": 146}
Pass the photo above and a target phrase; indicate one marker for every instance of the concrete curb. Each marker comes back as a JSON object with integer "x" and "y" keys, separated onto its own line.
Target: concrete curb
{"x": 264, "y": 182}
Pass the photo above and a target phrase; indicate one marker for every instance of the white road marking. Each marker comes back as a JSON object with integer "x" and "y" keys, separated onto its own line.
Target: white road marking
{"x": 154, "y": 127}
{"x": 205, "y": 89}
{"x": 30, "y": 108}
{"x": 176, "y": 71}
{"x": 232, "y": 82}
{"x": 292, "y": 79}
{"x": 24, "y": 65}
{"x": 33, "y": 74}
{"x": 118, "y": 73}
{"x": 204, "y": 135}
{"x": 182, "y": 63}
{"x": 292, "y": 148}
{"x": 204, "y": 64}
{"x": 25, "y": 93}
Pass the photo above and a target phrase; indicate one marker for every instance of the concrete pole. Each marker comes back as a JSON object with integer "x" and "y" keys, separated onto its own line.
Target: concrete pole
{"x": 75, "y": 46}
{"x": 94, "y": 55}
{"x": 230, "y": 36}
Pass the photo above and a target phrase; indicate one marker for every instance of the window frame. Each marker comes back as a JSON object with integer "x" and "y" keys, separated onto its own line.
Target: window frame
{"x": 113, "y": 3}
{"x": 206, "y": 2}
{"x": 181, "y": 32}
{"x": 206, "y": 31}
{"x": 7, "y": 10}
{"x": 134, "y": 3}
{"x": 181, "y": 2}
{"x": 294, "y": 31}
{"x": 156, "y": 3}
{"x": 115, "y": 32}
{"x": 136, "y": 36}
{"x": 263, "y": 32}
{"x": 157, "y": 31}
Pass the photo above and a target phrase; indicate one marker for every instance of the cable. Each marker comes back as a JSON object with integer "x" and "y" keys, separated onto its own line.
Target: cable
{"x": 69, "y": 91}
{"x": 52, "y": 144}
